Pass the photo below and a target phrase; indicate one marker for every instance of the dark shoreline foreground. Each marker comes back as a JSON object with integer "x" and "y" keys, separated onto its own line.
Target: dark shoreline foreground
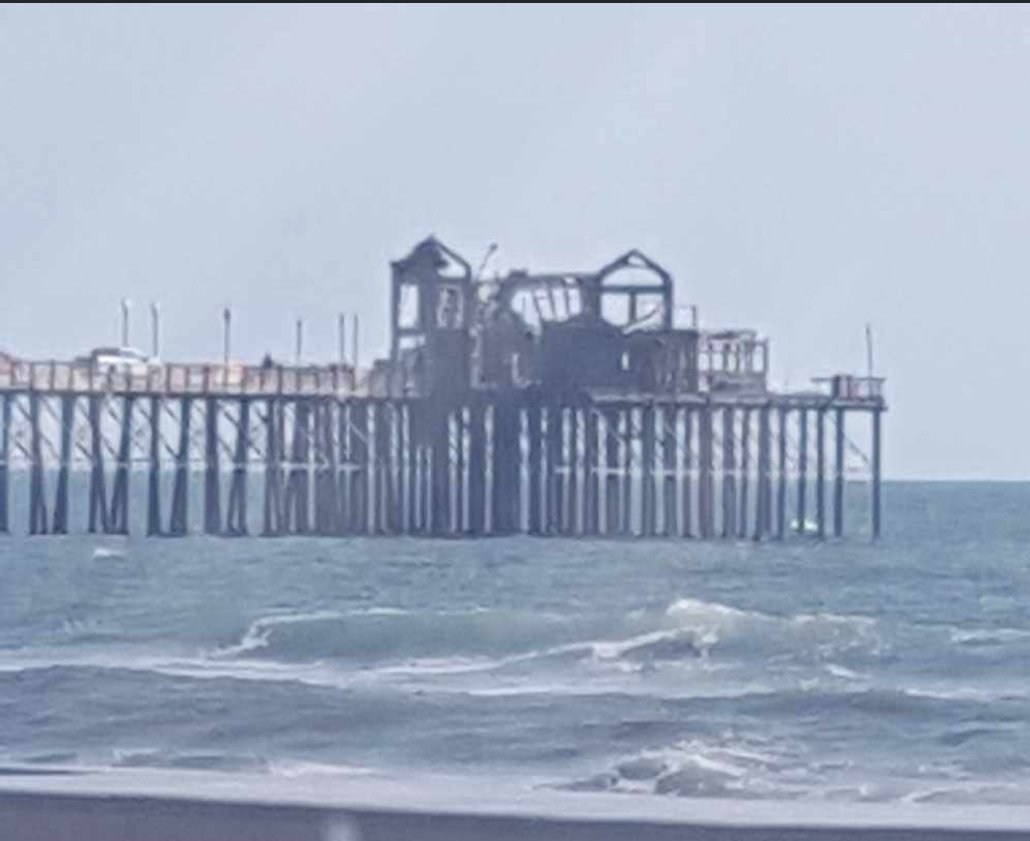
{"x": 197, "y": 806}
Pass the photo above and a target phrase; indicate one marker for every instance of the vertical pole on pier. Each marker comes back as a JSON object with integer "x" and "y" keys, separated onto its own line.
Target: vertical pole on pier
{"x": 875, "y": 512}
{"x": 706, "y": 525}
{"x": 745, "y": 470}
{"x": 97, "y": 490}
{"x": 359, "y": 474}
{"x": 611, "y": 468}
{"x": 686, "y": 496}
{"x": 236, "y": 515}
{"x": 669, "y": 470}
{"x": 331, "y": 507}
{"x": 37, "y": 504}
{"x": 67, "y": 431}
{"x": 781, "y": 474}
{"x": 154, "y": 473}
{"x": 729, "y": 473}
{"x": 764, "y": 494}
{"x": 592, "y": 471}
{"x": 273, "y": 502}
{"x": 648, "y": 519}
{"x": 179, "y": 524}
{"x": 820, "y": 471}
{"x": 212, "y": 470}
{"x": 534, "y": 431}
{"x": 838, "y": 475}
{"x": 120, "y": 494}
{"x": 5, "y": 456}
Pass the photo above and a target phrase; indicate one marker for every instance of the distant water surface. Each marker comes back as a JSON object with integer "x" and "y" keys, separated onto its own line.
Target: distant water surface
{"x": 797, "y": 669}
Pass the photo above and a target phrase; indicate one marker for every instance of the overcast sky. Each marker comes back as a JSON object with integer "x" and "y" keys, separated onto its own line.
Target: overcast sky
{"x": 801, "y": 170}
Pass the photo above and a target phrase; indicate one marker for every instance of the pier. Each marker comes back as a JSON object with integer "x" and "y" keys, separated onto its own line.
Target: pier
{"x": 565, "y": 404}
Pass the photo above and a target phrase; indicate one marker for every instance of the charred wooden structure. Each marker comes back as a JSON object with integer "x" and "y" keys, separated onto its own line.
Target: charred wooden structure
{"x": 553, "y": 404}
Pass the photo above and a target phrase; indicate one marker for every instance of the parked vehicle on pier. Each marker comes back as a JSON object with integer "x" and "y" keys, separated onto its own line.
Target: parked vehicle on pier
{"x": 125, "y": 359}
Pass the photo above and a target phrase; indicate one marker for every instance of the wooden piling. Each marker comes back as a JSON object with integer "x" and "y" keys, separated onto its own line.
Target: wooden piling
{"x": 764, "y": 489}
{"x": 781, "y": 474}
{"x": 706, "y": 491}
{"x": 274, "y": 510}
{"x": 802, "y": 470}
{"x": 120, "y": 495}
{"x": 729, "y": 473}
{"x": 212, "y": 469}
{"x": 838, "y": 475}
{"x": 648, "y": 513}
{"x": 64, "y": 466}
{"x": 236, "y": 511}
{"x": 876, "y": 500}
{"x": 37, "y": 501}
{"x": 668, "y": 426}
{"x": 154, "y": 469}
{"x": 534, "y": 472}
{"x": 5, "y": 461}
{"x": 98, "y": 517}
{"x": 820, "y": 471}
{"x": 179, "y": 521}
{"x": 612, "y": 485}
{"x": 745, "y": 472}
{"x": 686, "y": 497}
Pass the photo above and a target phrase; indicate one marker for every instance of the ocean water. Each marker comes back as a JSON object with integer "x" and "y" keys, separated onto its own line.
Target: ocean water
{"x": 841, "y": 670}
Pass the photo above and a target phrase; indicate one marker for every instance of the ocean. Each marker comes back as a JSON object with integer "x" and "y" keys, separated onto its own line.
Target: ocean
{"x": 831, "y": 671}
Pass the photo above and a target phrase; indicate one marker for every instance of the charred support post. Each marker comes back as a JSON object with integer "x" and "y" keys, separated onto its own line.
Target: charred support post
{"x": 875, "y": 512}
{"x": 628, "y": 439}
{"x": 764, "y": 466}
{"x": 67, "y": 429}
{"x": 781, "y": 475}
{"x": 838, "y": 475}
{"x": 359, "y": 479}
{"x": 37, "y": 504}
{"x": 554, "y": 485}
{"x": 154, "y": 470}
{"x": 802, "y": 469}
{"x": 477, "y": 467}
{"x": 668, "y": 471}
{"x": 505, "y": 489}
{"x": 298, "y": 489}
{"x": 120, "y": 493}
{"x": 212, "y": 470}
{"x": 440, "y": 445}
{"x": 273, "y": 507}
{"x": 98, "y": 517}
{"x": 179, "y": 524}
{"x": 571, "y": 507}
{"x": 729, "y": 473}
{"x": 236, "y": 513}
{"x": 705, "y": 512}
{"x": 686, "y": 500}
{"x": 745, "y": 469}
{"x": 5, "y": 458}
{"x": 820, "y": 471}
{"x": 380, "y": 468}
{"x": 534, "y": 473}
{"x": 611, "y": 469}
{"x": 648, "y": 518}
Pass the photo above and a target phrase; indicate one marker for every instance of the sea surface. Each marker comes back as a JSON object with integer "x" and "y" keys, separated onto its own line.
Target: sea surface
{"x": 840, "y": 670}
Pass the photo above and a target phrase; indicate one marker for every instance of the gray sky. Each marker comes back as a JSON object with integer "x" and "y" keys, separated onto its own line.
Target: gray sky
{"x": 799, "y": 170}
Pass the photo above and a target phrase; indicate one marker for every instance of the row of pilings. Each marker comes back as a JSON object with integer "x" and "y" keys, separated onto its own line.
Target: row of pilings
{"x": 277, "y": 465}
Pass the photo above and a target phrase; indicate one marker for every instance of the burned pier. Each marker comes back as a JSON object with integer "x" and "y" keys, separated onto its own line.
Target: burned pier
{"x": 550, "y": 404}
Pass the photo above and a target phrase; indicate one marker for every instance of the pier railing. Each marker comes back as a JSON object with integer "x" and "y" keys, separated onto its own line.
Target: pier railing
{"x": 185, "y": 378}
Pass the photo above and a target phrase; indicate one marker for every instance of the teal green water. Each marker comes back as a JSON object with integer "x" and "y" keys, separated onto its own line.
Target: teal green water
{"x": 836, "y": 670}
